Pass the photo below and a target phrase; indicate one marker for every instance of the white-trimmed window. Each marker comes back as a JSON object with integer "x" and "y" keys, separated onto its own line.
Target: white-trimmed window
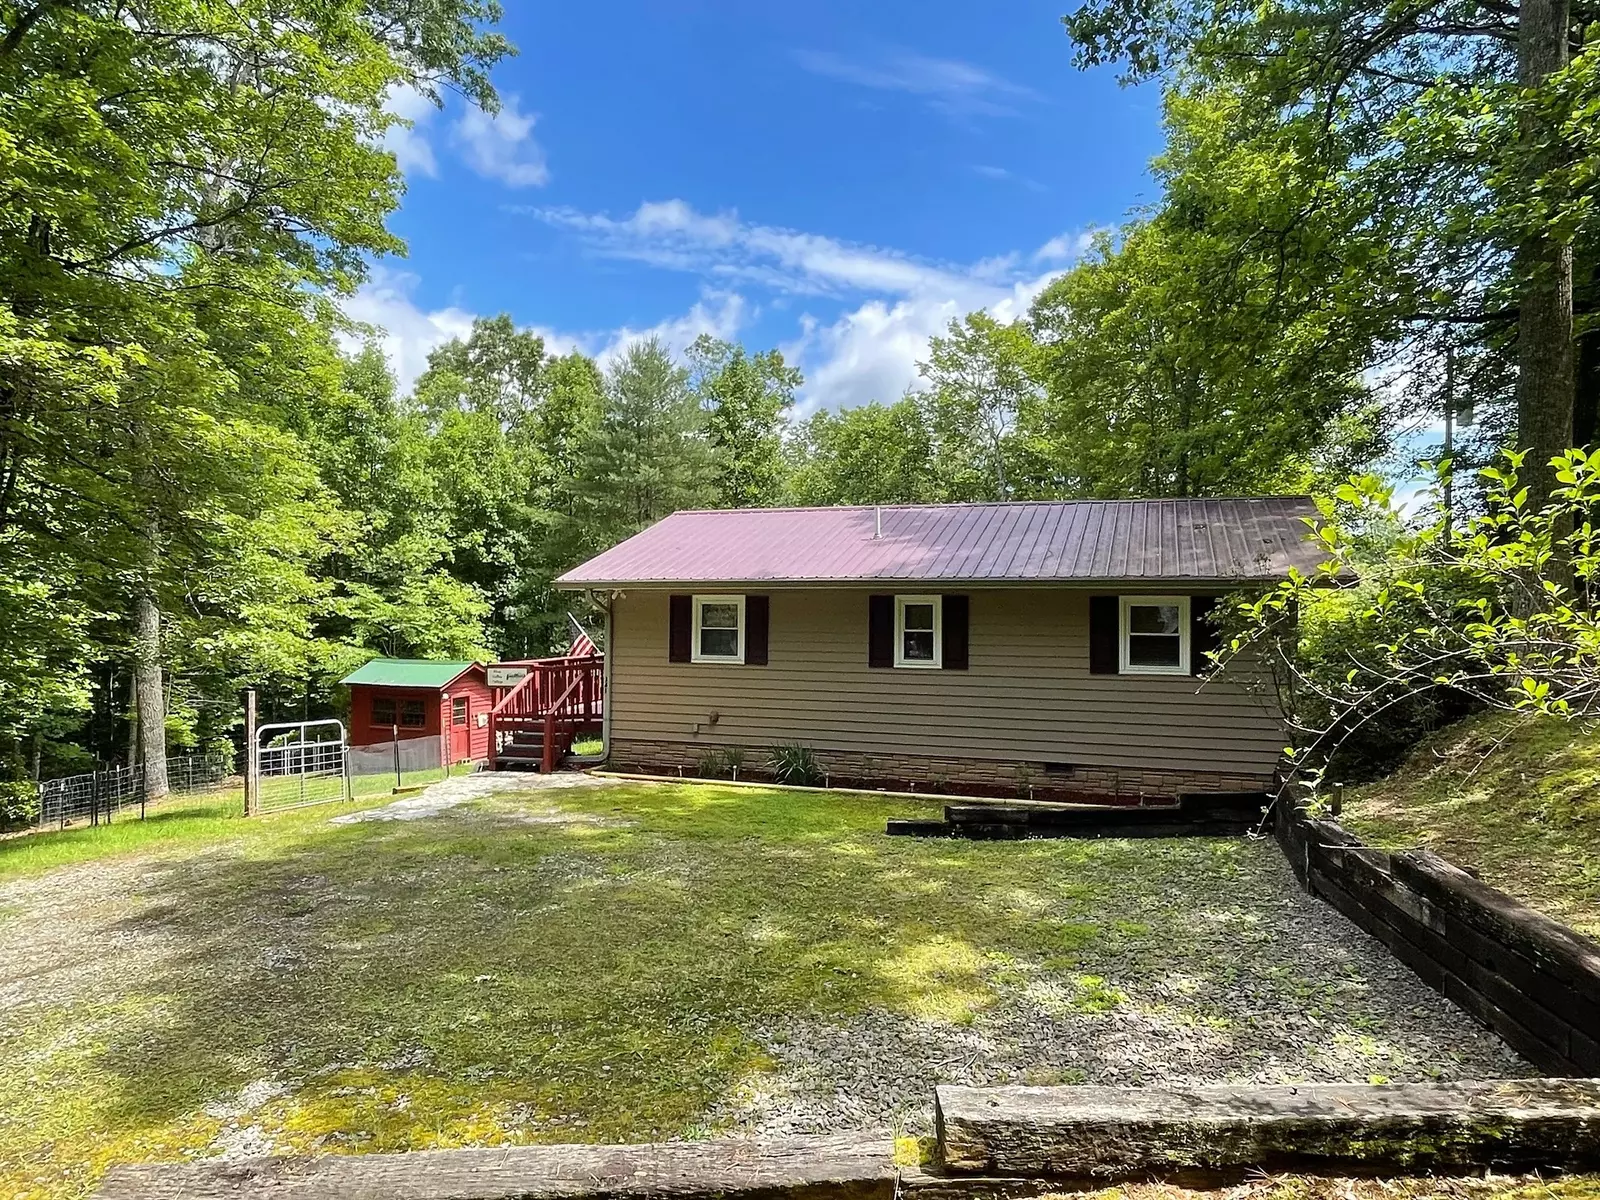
{"x": 918, "y": 640}
{"x": 1155, "y": 635}
{"x": 718, "y": 629}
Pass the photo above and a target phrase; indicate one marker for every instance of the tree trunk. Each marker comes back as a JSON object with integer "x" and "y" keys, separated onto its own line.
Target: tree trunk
{"x": 1544, "y": 266}
{"x": 1586, "y": 352}
{"x": 147, "y": 690}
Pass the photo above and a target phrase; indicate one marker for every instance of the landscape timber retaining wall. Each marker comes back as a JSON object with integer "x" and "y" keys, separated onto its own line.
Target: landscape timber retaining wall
{"x": 1529, "y": 978}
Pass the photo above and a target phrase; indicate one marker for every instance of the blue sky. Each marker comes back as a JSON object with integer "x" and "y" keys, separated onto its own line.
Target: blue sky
{"x": 838, "y": 180}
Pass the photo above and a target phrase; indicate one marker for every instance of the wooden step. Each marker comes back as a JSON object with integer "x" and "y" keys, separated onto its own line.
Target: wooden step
{"x": 819, "y": 1168}
{"x": 1106, "y": 1133}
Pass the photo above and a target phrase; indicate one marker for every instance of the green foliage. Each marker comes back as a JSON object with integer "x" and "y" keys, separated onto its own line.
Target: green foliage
{"x": 185, "y": 188}
{"x": 795, "y": 765}
{"x": 875, "y": 454}
{"x": 746, "y": 398}
{"x": 1412, "y": 177}
{"x": 19, "y": 803}
{"x": 983, "y": 404}
{"x": 649, "y": 453}
{"x": 1491, "y": 611}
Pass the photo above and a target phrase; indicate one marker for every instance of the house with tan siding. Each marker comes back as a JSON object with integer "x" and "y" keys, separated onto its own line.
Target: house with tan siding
{"x": 1057, "y": 647}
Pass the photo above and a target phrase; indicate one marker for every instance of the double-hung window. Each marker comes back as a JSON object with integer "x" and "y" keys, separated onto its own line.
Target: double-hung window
{"x": 718, "y": 630}
{"x": 917, "y": 640}
{"x": 1155, "y": 635}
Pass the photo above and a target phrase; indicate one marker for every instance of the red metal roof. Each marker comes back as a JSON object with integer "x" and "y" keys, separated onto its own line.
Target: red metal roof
{"x": 1065, "y": 541}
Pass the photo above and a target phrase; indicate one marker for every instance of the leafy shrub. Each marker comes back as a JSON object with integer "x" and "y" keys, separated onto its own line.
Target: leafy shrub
{"x": 19, "y": 803}
{"x": 1399, "y": 633}
{"x": 795, "y": 765}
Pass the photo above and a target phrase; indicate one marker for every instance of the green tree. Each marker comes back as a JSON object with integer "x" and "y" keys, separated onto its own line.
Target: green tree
{"x": 984, "y": 396}
{"x": 1455, "y": 146}
{"x": 649, "y": 455}
{"x": 874, "y": 454}
{"x": 172, "y": 170}
{"x": 747, "y": 398}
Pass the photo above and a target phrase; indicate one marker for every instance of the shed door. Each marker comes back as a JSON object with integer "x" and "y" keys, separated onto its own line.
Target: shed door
{"x": 460, "y": 728}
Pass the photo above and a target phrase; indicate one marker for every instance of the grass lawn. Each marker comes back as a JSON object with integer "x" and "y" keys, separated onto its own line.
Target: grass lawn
{"x": 1515, "y": 798}
{"x": 638, "y": 962}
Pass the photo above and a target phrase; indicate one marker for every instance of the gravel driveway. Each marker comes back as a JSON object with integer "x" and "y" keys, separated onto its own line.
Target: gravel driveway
{"x": 524, "y": 958}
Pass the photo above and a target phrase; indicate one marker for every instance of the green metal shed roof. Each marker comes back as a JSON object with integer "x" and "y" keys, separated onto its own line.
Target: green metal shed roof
{"x": 407, "y": 672}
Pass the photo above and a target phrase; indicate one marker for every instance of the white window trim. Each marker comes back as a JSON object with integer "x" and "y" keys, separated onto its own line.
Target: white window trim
{"x": 699, "y": 602}
{"x": 1127, "y": 602}
{"x": 918, "y": 664}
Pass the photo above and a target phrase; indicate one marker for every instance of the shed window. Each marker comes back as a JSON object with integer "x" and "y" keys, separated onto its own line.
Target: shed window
{"x": 458, "y": 711}
{"x": 1155, "y": 635}
{"x": 383, "y": 710}
{"x": 916, "y": 631}
{"x": 413, "y": 715}
{"x": 718, "y": 629}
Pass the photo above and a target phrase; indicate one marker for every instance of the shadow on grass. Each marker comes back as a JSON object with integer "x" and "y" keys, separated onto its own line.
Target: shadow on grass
{"x": 482, "y": 976}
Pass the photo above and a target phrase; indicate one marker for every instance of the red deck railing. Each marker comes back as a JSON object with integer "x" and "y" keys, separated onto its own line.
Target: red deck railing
{"x": 558, "y": 697}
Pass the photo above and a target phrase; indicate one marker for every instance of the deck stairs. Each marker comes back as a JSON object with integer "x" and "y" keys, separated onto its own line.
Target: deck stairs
{"x": 533, "y": 725}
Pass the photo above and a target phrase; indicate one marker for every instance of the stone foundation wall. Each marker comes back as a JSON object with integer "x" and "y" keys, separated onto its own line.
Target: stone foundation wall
{"x": 953, "y": 775}
{"x": 1529, "y": 978}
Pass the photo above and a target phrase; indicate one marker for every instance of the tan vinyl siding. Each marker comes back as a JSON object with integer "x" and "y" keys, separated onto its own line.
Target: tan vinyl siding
{"x": 1028, "y": 695}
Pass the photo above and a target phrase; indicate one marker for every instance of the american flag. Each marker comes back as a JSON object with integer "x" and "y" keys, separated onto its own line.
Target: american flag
{"x": 583, "y": 645}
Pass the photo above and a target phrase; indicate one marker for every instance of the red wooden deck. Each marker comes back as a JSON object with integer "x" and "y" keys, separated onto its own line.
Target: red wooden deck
{"x": 540, "y": 718}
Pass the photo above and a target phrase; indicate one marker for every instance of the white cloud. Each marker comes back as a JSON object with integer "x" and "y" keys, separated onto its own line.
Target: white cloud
{"x": 949, "y": 86}
{"x": 870, "y": 351}
{"x": 501, "y": 146}
{"x": 409, "y": 333}
{"x": 409, "y": 142}
{"x": 721, "y": 314}
{"x": 672, "y": 235}
{"x": 1065, "y": 247}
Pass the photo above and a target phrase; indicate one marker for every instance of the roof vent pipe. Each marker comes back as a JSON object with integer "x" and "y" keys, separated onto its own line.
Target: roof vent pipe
{"x": 877, "y": 522}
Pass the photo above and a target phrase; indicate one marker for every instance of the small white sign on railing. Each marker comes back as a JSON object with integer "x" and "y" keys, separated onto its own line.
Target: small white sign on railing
{"x": 507, "y": 676}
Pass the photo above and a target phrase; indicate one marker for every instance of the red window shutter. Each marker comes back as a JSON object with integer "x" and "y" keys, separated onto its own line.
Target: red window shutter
{"x": 880, "y": 631}
{"x": 953, "y": 621}
{"x": 679, "y": 632}
{"x": 1105, "y": 655}
{"x": 1204, "y": 638}
{"x": 757, "y": 623}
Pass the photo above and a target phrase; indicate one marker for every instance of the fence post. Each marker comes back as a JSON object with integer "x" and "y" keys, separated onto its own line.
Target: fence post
{"x": 252, "y": 781}
{"x": 94, "y": 797}
{"x": 394, "y": 733}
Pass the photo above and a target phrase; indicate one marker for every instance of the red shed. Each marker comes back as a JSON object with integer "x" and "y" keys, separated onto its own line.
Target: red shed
{"x": 414, "y": 698}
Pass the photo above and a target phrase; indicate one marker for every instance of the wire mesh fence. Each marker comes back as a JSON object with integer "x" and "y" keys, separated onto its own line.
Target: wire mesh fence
{"x": 106, "y": 794}
{"x": 409, "y": 759}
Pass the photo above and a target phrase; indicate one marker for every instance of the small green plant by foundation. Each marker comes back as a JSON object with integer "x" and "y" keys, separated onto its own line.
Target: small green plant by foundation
{"x": 795, "y": 765}
{"x": 733, "y": 760}
{"x": 710, "y": 765}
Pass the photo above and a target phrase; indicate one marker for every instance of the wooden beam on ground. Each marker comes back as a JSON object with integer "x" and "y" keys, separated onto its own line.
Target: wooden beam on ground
{"x": 1118, "y": 1133}
{"x": 823, "y": 1168}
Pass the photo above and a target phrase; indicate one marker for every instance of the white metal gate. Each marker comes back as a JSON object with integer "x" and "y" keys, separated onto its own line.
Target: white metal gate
{"x": 294, "y": 763}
